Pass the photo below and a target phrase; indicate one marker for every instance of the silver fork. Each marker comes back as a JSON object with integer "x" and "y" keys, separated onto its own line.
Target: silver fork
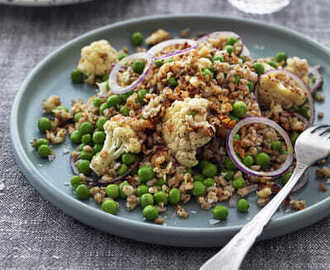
{"x": 312, "y": 145}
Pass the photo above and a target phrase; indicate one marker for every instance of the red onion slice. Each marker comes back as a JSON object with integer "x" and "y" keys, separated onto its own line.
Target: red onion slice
{"x": 113, "y": 83}
{"x": 218, "y": 34}
{"x": 232, "y": 154}
{"x": 315, "y": 71}
{"x": 160, "y": 46}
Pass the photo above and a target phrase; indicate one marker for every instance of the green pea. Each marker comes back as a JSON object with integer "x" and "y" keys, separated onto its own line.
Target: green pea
{"x": 229, "y": 164}
{"x": 248, "y": 160}
{"x": 285, "y": 178}
{"x": 141, "y": 95}
{"x": 198, "y": 177}
{"x": 220, "y": 212}
{"x": 39, "y": 142}
{"x": 146, "y": 173}
{"x": 276, "y": 145}
{"x": 114, "y": 100}
{"x": 280, "y": 56}
{"x": 83, "y": 167}
{"x": 228, "y": 174}
{"x": 207, "y": 73}
{"x": 137, "y": 38}
{"x": 146, "y": 199}
{"x": 77, "y": 76}
{"x": 209, "y": 182}
{"x": 75, "y": 181}
{"x": 251, "y": 86}
{"x": 237, "y": 137}
{"x": 161, "y": 197}
{"x": 112, "y": 190}
{"x": 98, "y": 137}
{"x": 97, "y": 148}
{"x": 141, "y": 189}
{"x": 174, "y": 196}
{"x": 262, "y": 159}
{"x": 199, "y": 189}
{"x": 126, "y": 95}
{"x": 86, "y": 127}
{"x": 237, "y": 79}
{"x": 44, "y": 124}
{"x": 105, "y": 77}
{"x": 76, "y": 117}
{"x": 122, "y": 56}
{"x": 272, "y": 64}
{"x": 233, "y": 117}
{"x": 100, "y": 122}
{"x": 294, "y": 136}
{"x": 203, "y": 163}
{"x": 128, "y": 158}
{"x": 150, "y": 212}
{"x": 161, "y": 182}
{"x": 81, "y": 147}
{"x": 121, "y": 193}
{"x": 172, "y": 82}
{"x": 82, "y": 192}
{"x": 62, "y": 108}
{"x": 44, "y": 151}
{"x": 259, "y": 68}
{"x": 86, "y": 155}
{"x": 102, "y": 108}
{"x": 231, "y": 40}
{"x": 159, "y": 63}
{"x": 86, "y": 139}
{"x": 229, "y": 49}
{"x": 124, "y": 110}
{"x": 110, "y": 206}
{"x": 122, "y": 169}
{"x": 97, "y": 102}
{"x": 168, "y": 60}
{"x": 218, "y": 58}
{"x": 210, "y": 170}
{"x": 239, "y": 109}
{"x": 239, "y": 182}
{"x": 243, "y": 205}
{"x": 138, "y": 66}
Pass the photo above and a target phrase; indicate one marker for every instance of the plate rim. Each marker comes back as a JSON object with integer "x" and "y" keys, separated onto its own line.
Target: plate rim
{"x": 40, "y": 3}
{"x": 68, "y": 203}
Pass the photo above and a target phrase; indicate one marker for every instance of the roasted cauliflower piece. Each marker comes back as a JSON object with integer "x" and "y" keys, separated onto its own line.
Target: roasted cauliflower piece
{"x": 51, "y": 103}
{"x": 185, "y": 128}
{"x": 97, "y": 59}
{"x": 299, "y": 67}
{"x": 120, "y": 138}
{"x": 281, "y": 89}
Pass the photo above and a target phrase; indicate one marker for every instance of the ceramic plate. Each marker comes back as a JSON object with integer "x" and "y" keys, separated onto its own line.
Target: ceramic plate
{"x": 52, "y": 76}
{"x": 38, "y": 3}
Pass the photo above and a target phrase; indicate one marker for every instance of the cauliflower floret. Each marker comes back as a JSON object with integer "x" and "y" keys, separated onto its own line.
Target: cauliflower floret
{"x": 157, "y": 36}
{"x": 299, "y": 67}
{"x": 280, "y": 88}
{"x": 51, "y": 103}
{"x": 97, "y": 59}
{"x": 57, "y": 136}
{"x": 120, "y": 138}
{"x": 185, "y": 129}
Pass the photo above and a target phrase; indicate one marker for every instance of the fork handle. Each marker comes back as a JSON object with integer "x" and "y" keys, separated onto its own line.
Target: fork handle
{"x": 231, "y": 256}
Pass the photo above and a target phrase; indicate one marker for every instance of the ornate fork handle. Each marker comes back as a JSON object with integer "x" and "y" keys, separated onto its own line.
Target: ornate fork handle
{"x": 231, "y": 256}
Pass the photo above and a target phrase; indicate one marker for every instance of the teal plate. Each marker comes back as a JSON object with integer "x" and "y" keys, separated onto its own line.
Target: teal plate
{"x": 51, "y": 76}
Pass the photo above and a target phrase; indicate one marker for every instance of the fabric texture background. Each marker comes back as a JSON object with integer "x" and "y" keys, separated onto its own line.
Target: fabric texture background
{"x": 36, "y": 235}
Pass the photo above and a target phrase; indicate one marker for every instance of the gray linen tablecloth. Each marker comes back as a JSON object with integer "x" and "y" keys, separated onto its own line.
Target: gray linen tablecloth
{"x": 36, "y": 235}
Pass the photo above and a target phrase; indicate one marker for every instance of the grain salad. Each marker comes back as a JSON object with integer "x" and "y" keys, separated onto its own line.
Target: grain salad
{"x": 182, "y": 120}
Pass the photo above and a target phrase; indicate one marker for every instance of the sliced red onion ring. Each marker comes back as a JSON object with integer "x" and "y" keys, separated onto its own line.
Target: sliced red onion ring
{"x": 247, "y": 170}
{"x": 315, "y": 71}
{"x": 113, "y": 84}
{"x": 302, "y": 181}
{"x": 160, "y": 46}
{"x": 218, "y": 34}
